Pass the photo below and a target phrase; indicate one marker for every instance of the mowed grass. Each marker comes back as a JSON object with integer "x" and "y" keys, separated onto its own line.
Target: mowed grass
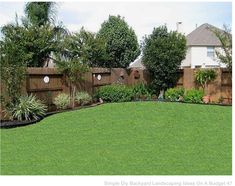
{"x": 138, "y": 138}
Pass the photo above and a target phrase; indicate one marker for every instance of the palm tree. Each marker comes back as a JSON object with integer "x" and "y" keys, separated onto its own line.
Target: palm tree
{"x": 40, "y": 13}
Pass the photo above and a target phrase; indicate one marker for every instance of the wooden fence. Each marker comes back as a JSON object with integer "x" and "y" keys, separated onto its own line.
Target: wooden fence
{"x": 220, "y": 89}
{"x": 96, "y": 77}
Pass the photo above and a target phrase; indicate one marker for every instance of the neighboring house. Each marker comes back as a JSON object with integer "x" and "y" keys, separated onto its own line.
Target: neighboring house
{"x": 201, "y": 46}
{"x": 137, "y": 64}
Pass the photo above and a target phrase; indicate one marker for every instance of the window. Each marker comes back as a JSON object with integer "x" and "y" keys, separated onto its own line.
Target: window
{"x": 212, "y": 66}
{"x": 210, "y": 52}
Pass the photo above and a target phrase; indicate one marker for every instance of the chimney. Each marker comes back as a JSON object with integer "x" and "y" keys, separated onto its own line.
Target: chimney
{"x": 179, "y": 27}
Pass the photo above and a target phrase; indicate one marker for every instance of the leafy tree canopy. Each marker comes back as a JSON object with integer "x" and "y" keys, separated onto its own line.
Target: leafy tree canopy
{"x": 121, "y": 42}
{"x": 225, "y": 38}
{"x": 35, "y": 43}
{"x": 163, "y": 52}
{"x": 85, "y": 46}
{"x": 36, "y": 36}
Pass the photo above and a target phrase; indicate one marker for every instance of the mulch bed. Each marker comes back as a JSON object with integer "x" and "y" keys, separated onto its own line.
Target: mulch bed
{"x": 6, "y": 124}
{"x": 14, "y": 123}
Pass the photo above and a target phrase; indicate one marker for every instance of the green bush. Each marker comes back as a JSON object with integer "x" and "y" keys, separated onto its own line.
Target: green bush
{"x": 114, "y": 93}
{"x": 83, "y": 98}
{"x": 141, "y": 90}
{"x": 27, "y": 108}
{"x": 193, "y": 96}
{"x": 62, "y": 101}
{"x": 174, "y": 94}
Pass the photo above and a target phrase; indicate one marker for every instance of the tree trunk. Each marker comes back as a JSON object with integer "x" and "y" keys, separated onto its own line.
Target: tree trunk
{"x": 205, "y": 90}
{"x": 73, "y": 96}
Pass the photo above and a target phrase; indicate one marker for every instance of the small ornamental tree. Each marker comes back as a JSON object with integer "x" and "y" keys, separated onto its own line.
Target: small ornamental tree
{"x": 204, "y": 77}
{"x": 74, "y": 70}
{"x": 71, "y": 63}
{"x": 163, "y": 52}
{"x": 121, "y": 42}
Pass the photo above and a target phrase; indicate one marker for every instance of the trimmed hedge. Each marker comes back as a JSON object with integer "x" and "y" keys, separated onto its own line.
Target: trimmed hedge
{"x": 122, "y": 93}
{"x": 115, "y": 93}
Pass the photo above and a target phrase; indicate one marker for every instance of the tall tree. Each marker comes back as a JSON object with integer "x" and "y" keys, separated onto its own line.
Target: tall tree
{"x": 121, "y": 42}
{"x": 38, "y": 34}
{"x": 163, "y": 52}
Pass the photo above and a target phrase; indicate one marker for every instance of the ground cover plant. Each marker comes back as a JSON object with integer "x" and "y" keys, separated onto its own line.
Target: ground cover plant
{"x": 137, "y": 138}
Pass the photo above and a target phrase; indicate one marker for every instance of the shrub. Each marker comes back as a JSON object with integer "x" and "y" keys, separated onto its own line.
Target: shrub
{"x": 27, "y": 108}
{"x": 83, "y": 98}
{"x": 141, "y": 90}
{"x": 114, "y": 93}
{"x": 193, "y": 96}
{"x": 174, "y": 94}
{"x": 62, "y": 101}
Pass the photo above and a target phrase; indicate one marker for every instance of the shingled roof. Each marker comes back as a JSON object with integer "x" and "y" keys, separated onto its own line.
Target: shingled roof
{"x": 203, "y": 36}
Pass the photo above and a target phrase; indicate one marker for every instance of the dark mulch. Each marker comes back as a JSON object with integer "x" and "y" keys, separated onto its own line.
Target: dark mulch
{"x": 15, "y": 123}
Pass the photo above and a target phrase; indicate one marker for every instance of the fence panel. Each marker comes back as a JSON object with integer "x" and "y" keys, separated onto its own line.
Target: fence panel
{"x": 221, "y": 88}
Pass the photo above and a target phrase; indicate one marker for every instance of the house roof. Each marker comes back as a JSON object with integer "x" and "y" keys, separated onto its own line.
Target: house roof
{"x": 203, "y": 36}
{"x": 137, "y": 63}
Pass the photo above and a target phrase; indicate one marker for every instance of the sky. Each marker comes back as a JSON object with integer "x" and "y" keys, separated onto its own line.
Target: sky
{"x": 141, "y": 16}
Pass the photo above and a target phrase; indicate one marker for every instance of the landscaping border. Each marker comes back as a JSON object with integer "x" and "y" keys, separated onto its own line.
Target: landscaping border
{"x": 215, "y": 104}
{"x": 167, "y": 101}
{"x": 14, "y": 124}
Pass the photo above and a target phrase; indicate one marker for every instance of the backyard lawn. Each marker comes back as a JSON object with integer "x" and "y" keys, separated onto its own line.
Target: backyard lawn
{"x": 138, "y": 138}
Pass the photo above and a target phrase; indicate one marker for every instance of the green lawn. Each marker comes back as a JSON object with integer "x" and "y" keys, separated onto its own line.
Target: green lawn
{"x": 139, "y": 138}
